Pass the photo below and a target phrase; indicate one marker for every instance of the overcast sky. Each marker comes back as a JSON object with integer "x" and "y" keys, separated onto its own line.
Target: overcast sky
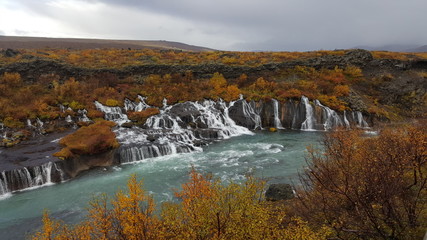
{"x": 285, "y": 25}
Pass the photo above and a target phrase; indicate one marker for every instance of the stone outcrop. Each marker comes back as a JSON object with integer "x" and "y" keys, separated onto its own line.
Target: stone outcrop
{"x": 279, "y": 191}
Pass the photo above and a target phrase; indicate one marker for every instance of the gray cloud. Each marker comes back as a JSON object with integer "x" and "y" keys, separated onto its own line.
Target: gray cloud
{"x": 247, "y": 24}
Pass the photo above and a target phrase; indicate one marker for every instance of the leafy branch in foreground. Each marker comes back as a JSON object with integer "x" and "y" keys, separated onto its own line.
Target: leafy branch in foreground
{"x": 368, "y": 187}
{"x": 208, "y": 210}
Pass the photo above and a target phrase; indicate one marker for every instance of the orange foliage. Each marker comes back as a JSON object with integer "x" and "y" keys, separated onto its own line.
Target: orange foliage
{"x": 208, "y": 210}
{"x": 368, "y": 187}
{"x": 88, "y": 140}
{"x": 141, "y": 117}
{"x": 341, "y": 90}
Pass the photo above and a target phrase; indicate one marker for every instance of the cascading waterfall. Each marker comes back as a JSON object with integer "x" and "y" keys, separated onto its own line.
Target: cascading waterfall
{"x": 137, "y": 107}
{"x": 29, "y": 124}
{"x": 39, "y": 123}
{"x": 330, "y": 118}
{"x": 68, "y": 119}
{"x": 23, "y": 178}
{"x": 360, "y": 121}
{"x": 308, "y": 124}
{"x": 346, "y": 122}
{"x": 83, "y": 117}
{"x": 112, "y": 113}
{"x": 173, "y": 132}
{"x": 3, "y": 184}
{"x": 185, "y": 127}
{"x": 165, "y": 102}
{"x": 277, "y": 123}
{"x": 42, "y": 174}
{"x": 251, "y": 113}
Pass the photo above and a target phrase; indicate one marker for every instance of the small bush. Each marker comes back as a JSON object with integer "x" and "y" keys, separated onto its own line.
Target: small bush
{"x": 141, "y": 117}
{"x": 93, "y": 139}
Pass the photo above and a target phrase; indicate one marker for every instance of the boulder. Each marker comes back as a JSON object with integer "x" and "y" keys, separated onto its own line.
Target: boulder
{"x": 186, "y": 111}
{"x": 279, "y": 191}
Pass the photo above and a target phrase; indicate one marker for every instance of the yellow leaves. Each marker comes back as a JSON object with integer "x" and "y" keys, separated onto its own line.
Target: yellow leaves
{"x": 12, "y": 80}
{"x": 112, "y": 102}
{"x": 133, "y": 211}
{"x": 353, "y": 71}
{"x": 298, "y": 229}
{"x": 49, "y": 229}
{"x": 341, "y": 90}
{"x": 221, "y": 89}
{"x": 12, "y": 123}
{"x": 332, "y": 102}
{"x": 231, "y": 93}
{"x": 217, "y": 81}
{"x": 208, "y": 210}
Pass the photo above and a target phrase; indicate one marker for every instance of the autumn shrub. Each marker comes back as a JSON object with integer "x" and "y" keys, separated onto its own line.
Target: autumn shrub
{"x": 141, "y": 117}
{"x": 95, "y": 114}
{"x": 208, "y": 209}
{"x": 88, "y": 140}
{"x": 112, "y": 102}
{"x": 368, "y": 187}
{"x": 12, "y": 123}
{"x": 12, "y": 80}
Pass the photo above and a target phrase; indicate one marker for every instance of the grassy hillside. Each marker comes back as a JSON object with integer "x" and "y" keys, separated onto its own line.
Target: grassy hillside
{"x": 81, "y": 43}
{"x": 34, "y": 82}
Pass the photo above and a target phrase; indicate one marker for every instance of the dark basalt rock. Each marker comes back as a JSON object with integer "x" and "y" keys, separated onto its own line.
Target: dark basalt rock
{"x": 152, "y": 138}
{"x": 279, "y": 191}
{"x": 236, "y": 112}
{"x": 358, "y": 57}
{"x": 267, "y": 114}
{"x": 10, "y": 52}
{"x": 185, "y": 111}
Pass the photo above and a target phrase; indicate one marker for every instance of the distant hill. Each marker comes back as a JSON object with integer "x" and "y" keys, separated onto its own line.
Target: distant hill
{"x": 78, "y": 43}
{"x": 395, "y": 48}
{"x": 418, "y": 49}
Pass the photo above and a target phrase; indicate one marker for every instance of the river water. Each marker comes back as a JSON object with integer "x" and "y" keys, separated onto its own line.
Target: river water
{"x": 277, "y": 157}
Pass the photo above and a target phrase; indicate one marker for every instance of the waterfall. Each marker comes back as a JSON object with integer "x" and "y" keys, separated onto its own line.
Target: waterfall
{"x": 165, "y": 102}
{"x": 42, "y": 174}
{"x": 112, "y": 113}
{"x": 277, "y": 123}
{"x": 83, "y": 117}
{"x": 68, "y": 119}
{"x": 330, "y": 119}
{"x": 216, "y": 116}
{"x": 172, "y": 130}
{"x": 308, "y": 123}
{"x": 136, "y": 107}
{"x": 39, "y": 123}
{"x": 346, "y": 122}
{"x": 184, "y": 127}
{"x": 29, "y": 124}
{"x": 61, "y": 108}
{"x": 28, "y": 177}
{"x": 250, "y": 113}
{"x": 360, "y": 120}
{"x": 3, "y": 184}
